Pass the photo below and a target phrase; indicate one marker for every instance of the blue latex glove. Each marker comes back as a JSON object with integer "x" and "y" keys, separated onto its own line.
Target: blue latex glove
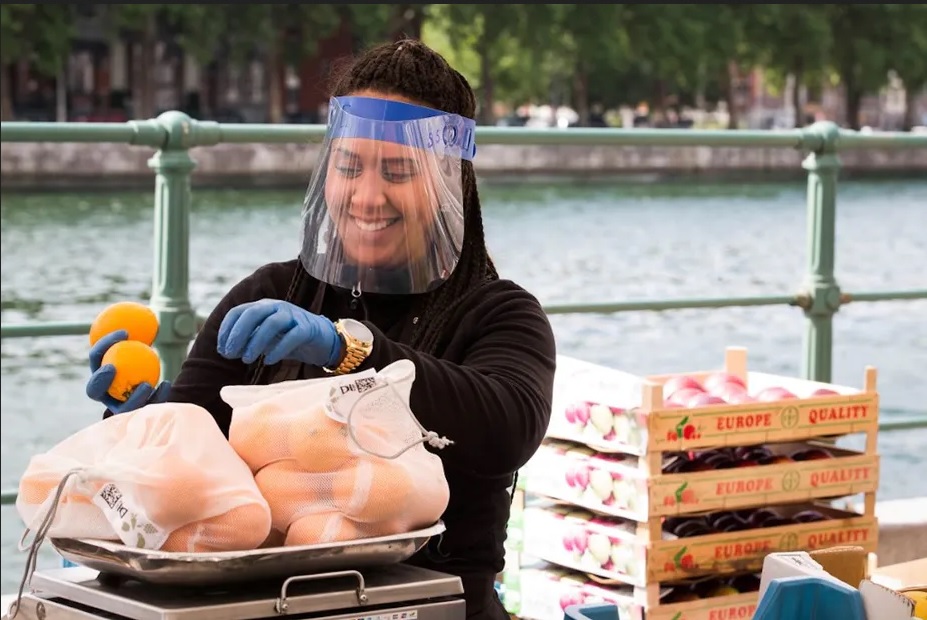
{"x": 102, "y": 377}
{"x": 278, "y": 330}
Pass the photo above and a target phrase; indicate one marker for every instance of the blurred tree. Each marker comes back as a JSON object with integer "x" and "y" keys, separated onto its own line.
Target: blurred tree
{"x": 38, "y": 33}
{"x": 588, "y": 45}
{"x": 666, "y": 46}
{"x": 721, "y": 50}
{"x": 279, "y": 34}
{"x": 861, "y": 53}
{"x": 375, "y": 23}
{"x": 487, "y": 30}
{"x": 908, "y": 53}
{"x": 140, "y": 25}
{"x": 794, "y": 40}
{"x": 556, "y": 53}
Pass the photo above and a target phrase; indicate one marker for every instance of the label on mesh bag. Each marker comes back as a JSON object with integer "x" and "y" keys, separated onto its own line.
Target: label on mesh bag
{"x": 128, "y": 522}
{"x": 344, "y": 394}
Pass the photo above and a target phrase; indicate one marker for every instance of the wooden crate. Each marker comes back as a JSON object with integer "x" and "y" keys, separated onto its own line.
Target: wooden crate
{"x": 543, "y": 592}
{"x": 613, "y": 411}
{"x": 633, "y": 420}
{"x": 626, "y": 551}
{"x": 620, "y": 434}
{"x": 619, "y": 485}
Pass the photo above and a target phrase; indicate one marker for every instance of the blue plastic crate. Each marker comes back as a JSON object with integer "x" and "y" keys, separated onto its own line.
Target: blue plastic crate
{"x": 598, "y": 611}
{"x": 809, "y": 598}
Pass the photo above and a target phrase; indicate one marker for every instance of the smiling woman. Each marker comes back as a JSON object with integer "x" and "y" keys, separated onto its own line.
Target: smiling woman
{"x": 385, "y": 214}
{"x": 393, "y": 266}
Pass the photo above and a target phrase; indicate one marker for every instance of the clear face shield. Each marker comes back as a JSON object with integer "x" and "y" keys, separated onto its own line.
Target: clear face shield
{"x": 384, "y": 210}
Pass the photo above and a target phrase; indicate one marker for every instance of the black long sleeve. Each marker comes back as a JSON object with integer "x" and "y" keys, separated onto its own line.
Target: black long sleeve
{"x": 204, "y": 373}
{"x": 492, "y": 394}
{"x": 489, "y": 389}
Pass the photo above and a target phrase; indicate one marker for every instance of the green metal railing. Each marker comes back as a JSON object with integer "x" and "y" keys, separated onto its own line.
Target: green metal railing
{"x": 173, "y": 134}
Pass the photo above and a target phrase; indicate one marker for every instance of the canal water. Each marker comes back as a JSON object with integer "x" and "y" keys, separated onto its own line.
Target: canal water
{"x": 66, "y": 255}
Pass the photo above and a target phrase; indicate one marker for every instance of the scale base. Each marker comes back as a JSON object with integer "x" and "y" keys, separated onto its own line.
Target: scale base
{"x": 398, "y": 592}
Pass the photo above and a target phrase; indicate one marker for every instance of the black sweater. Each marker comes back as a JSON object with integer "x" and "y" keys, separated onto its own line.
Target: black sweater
{"x": 488, "y": 389}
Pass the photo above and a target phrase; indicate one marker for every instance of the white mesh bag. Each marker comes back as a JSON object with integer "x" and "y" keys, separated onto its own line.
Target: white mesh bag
{"x": 161, "y": 477}
{"x": 340, "y": 458}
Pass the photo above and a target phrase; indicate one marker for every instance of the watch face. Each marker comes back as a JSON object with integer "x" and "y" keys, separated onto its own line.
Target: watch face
{"x": 357, "y": 330}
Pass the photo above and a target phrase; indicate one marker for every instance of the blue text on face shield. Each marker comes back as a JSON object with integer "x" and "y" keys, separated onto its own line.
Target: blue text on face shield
{"x": 402, "y": 123}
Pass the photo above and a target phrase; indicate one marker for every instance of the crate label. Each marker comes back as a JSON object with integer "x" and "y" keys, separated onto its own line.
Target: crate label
{"x": 725, "y": 425}
{"x": 745, "y": 550}
{"x": 738, "y": 612}
{"x": 736, "y": 607}
{"x": 673, "y": 494}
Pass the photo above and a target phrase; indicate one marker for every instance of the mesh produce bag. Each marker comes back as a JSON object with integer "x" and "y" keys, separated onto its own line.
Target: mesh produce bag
{"x": 161, "y": 477}
{"x": 340, "y": 458}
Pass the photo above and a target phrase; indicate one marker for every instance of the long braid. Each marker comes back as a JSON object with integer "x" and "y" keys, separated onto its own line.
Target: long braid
{"x": 410, "y": 69}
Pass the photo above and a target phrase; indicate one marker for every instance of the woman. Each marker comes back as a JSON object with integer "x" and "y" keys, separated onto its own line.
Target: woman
{"x": 394, "y": 265}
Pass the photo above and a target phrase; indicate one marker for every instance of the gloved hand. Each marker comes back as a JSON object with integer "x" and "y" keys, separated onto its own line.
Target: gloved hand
{"x": 278, "y": 330}
{"x": 102, "y": 377}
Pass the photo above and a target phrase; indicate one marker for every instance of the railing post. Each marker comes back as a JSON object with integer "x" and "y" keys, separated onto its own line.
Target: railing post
{"x": 821, "y": 289}
{"x": 170, "y": 290}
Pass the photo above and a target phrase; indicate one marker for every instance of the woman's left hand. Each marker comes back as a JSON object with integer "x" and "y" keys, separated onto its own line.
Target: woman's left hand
{"x": 278, "y": 330}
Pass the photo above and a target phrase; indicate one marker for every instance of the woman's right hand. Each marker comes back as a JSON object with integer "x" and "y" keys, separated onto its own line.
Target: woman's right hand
{"x": 101, "y": 378}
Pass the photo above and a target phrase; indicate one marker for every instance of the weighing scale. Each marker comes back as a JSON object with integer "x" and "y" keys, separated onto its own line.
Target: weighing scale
{"x": 398, "y": 592}
{"x": 358, "y": 580}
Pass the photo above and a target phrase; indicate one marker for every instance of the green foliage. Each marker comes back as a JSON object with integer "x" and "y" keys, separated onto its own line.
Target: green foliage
{"x": 236, "y": 31}
{"x": 40, "y": 33}
{"x": 907, "y": 49}
{"x": 514, "y": 53}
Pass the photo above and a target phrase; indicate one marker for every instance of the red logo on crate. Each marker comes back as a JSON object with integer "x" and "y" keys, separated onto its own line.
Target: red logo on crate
{"x": 682, "y": 495}
{"x": 683, "y": 430}
{"x": 682, "y": 560}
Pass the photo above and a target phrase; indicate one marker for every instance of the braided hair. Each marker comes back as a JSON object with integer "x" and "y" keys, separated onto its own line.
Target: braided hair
{"x": 410, "y": 69}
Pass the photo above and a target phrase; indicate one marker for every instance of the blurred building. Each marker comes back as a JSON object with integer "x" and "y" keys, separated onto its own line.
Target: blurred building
{"x": 113, "y": 79}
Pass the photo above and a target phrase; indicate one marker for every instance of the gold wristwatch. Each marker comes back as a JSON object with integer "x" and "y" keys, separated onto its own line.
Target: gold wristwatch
{"x": 357, "y": 344}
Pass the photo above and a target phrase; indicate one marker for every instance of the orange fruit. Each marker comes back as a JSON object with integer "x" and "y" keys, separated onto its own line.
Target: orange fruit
{"x": 137, "y": 319}
{"x": 258, "y": 434}
{"x": 320, "y": 444}
{"x": 135, "y": 363}
{"x": 242, "y": 528}
{"x": 290, "y": 492}
{"x": 322, "y": 527}
{"x": 374, "y": 491}
{"x": 35, "y": 489}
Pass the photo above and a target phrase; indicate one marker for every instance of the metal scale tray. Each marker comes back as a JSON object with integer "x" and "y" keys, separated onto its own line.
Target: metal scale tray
{"x": 362, "y": 579}
{"x": 162, "y": 567}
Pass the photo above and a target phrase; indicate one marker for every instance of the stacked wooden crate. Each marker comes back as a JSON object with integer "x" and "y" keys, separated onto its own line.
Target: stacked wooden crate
{"x": 665, "y": 502}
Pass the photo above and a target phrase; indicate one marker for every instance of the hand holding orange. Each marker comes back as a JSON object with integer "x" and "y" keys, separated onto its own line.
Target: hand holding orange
{"x": 124, "y": 365}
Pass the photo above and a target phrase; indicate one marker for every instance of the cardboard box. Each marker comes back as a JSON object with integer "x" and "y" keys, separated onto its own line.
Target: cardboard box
{"x": 874, "y": 601}
{"x": 904, "y": 576}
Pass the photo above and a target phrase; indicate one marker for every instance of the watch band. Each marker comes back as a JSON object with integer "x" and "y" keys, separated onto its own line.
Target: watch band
{"x": 355, "y": 351}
